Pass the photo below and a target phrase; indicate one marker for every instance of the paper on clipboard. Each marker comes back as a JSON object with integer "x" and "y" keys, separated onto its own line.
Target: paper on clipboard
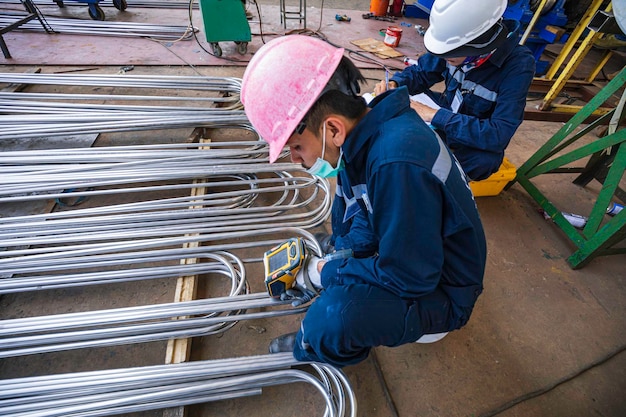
{"x": 426, "y": 100}
{"x": 368, "y": 97}
{"x": 421, "y": 98}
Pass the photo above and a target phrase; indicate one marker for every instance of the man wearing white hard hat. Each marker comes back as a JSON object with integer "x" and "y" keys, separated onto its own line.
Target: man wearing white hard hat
{"x": 403, "y": 206}
{"x": 486, "y": 74}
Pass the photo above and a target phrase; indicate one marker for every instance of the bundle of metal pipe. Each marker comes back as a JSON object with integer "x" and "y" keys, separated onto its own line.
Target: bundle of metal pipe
{"x": 291, "y": 208}
{"x": 115, "y": 391}
{"x": 32, "y": 270}
{"x": 52, "y": 173}
{"x": 203, "y": 317}
{"x": 134, "y": 324}
{"x": 60, "y": 102}
{"x": 114, "y": 116}
{"x": 150, "y": 122}
{"x": 243, "y": 149}
{"x": 52, "y": 250}
{"x": 17, "y": 105}
{"x": 75, "y": 247}
{"x": 233, "y": 183}
{"x": 203, "y": 83}
{"x": 50, "y": 239}
{"x": 108, "y": 28}
{"x": 27, "y": 115}
{"x": 83, "y": 240}
{"x": 64, "y": 275}
{"x": 34, "y": 335}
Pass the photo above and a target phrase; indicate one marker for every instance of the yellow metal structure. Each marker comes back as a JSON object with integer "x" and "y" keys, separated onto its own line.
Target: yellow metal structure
{"x": 573, "y": 62}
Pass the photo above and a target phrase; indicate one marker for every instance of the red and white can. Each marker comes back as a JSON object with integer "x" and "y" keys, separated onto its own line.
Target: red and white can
{"x": 393, "y": 36}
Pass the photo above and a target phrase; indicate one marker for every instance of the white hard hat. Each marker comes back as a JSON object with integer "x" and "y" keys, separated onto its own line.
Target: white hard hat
{"x": 281, "y": 83}
{"x": 465, "y": 27}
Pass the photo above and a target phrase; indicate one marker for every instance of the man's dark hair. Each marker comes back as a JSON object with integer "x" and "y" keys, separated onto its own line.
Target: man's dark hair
{"x": 341, "y": 96}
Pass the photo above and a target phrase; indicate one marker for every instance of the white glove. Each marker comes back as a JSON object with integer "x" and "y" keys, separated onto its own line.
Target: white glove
{"x": 310, "y": 271}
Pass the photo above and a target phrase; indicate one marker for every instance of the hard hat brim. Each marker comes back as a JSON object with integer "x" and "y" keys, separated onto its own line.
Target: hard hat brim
{"x": 474, "y": 48}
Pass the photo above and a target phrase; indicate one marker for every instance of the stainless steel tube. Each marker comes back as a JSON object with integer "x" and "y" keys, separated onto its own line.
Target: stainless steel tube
{"x": 100, "y": 393}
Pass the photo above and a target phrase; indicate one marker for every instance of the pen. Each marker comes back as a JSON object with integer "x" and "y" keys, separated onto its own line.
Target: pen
{"x": 386, "y": 79}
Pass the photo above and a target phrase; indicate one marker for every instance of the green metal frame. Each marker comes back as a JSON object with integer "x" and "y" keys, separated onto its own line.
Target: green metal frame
{"x": 593, "y": 240}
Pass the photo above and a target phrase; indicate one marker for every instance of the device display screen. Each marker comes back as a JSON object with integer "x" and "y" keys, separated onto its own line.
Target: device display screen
{"x": 279, "y": 260}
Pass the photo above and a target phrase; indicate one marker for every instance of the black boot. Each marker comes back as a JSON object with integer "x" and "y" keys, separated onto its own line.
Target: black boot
{"x": 324, "y": 240}
{"x": 284, "y": 343}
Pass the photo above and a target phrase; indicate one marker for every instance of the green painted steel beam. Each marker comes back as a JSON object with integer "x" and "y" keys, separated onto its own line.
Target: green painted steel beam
{"x": 570, "y": 127}
{"x": 598, "y": 237}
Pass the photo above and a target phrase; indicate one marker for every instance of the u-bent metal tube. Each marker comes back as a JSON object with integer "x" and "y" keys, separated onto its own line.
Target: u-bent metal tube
{"x": 32, "y": 335}
{"x": 101, "y": 393}
{"x": 26, "y": 172}
{"x": 24, "y": 118}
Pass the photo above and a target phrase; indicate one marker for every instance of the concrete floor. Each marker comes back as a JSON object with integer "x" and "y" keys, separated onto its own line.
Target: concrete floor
{"x": 544, "y": 339}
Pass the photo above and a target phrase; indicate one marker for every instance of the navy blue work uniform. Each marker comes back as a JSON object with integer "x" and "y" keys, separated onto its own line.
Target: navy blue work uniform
{"x": 489, "y": 106}
{"x": 403, "y": 205}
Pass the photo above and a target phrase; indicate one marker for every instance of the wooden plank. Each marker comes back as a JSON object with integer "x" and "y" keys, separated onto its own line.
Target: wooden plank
{"x": 179, "y": 350}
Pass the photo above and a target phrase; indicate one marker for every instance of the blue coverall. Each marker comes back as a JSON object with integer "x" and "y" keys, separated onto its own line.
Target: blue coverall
{"x": 403, "y": 205}
{"x": 492, "y": 100}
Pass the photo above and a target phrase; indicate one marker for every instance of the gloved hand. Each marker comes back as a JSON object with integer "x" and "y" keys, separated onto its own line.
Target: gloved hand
{"x": 307, "y": 285}
{"x": 299, "y": 295}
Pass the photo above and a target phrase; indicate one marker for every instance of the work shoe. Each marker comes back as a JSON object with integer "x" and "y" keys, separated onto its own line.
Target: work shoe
{"x": 284, "y": 343}
{"x": 610, "y": 41}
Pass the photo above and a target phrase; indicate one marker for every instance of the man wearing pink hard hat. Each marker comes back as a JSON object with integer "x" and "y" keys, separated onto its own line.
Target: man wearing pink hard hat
{"x": 403, "y": 207}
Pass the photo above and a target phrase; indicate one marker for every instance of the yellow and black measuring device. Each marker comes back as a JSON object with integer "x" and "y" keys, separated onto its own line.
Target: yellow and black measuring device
{"x": 282, "y": 264}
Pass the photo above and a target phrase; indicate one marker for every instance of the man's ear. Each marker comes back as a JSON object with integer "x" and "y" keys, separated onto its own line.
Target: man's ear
{"x": 337, "y": 128}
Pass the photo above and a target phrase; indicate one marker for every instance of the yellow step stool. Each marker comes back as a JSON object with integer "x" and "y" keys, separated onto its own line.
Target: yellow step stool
{"x": 496, "y": 182}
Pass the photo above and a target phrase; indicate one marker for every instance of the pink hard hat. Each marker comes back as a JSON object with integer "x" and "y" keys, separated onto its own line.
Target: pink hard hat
{"x": 281, "y": 83}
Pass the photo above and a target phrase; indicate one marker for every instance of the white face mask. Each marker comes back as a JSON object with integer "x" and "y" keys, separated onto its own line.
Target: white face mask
{"x": 323, "y": 168}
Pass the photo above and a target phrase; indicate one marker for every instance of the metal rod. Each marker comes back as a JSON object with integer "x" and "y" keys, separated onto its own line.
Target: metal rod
{"x": 196, "y": 82}
{"x": 146, "y": 123}
{"x": 109, "y": 28}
